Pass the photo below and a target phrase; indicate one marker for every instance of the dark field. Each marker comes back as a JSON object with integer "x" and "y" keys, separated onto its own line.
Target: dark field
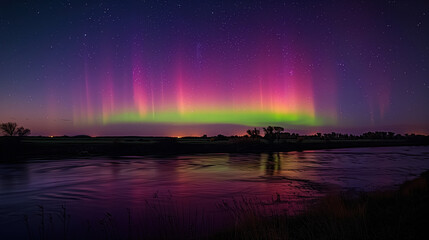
{"x": 29, "y": 147}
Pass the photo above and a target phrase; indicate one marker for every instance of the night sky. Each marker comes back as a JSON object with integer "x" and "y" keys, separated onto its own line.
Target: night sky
{"x": 208, "y": 67}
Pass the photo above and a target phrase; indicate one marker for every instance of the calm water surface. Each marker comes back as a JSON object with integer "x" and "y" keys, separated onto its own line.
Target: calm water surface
{"x": 90, "y": 187}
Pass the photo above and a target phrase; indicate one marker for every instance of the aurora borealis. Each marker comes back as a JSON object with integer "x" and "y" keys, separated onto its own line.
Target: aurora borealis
{"x": 209, "y": 67}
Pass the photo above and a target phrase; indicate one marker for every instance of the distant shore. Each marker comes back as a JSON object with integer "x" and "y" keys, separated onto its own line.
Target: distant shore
{"x": 12, "y": 148}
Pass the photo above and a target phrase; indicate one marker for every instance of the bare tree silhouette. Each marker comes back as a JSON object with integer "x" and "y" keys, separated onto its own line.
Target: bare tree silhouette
{"x": 278, "y": 131}
{"x": 268, "y": 131}
{"x": 21, "y": 131}
{"x": 10, "y": 129}
{"x": 269, "y": 134}
{"x": 253, "y": 133}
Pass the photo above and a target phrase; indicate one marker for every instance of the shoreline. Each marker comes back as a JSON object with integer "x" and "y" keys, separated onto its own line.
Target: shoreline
{"x": 62, "y": 147}
{"x": 378, "y": 214}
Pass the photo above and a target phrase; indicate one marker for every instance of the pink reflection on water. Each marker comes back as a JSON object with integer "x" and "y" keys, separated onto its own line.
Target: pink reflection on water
{"x": 198, "y": 185}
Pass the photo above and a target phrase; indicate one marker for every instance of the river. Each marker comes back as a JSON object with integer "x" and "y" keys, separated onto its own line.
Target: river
{"x": 38, "y": 195}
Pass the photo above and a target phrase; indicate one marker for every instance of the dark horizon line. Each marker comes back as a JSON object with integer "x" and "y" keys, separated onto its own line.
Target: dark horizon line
{"x": 229, "y": 136}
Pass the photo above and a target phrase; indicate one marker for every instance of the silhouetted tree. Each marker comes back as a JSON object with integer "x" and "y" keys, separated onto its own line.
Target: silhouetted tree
{"x": 278, "y": 131}
{"x": 253, "y": 133}
{"x": 10, "y": 129}
{"x": 23, "y": 131}
{"x": 221, "y": 137}
{"x": 269, "y": 135}
{"x": 268, "y": 131}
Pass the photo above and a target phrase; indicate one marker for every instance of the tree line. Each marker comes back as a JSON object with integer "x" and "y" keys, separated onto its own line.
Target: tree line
{"x": 270, "y": 133}
{"x": 12, "y": 129}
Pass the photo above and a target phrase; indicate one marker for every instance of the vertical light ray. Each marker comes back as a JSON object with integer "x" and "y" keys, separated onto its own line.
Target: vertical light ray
{"x": 290, "y": 93}
{"x": 152, "y": 99}
{"x": 162, "y": 102}
{"x": 261, "y": 95}
{"x": 108, "y": 102}
{"x": 89, "y": 109}
{"x": 180, "y": 91}
{"x": 378, "y": 95}
{"x": 139, "y": 94}
{"x": 384, "y": 96}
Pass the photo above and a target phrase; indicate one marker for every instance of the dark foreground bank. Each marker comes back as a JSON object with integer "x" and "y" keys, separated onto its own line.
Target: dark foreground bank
{"x": 12, "y": 148}
{"x": 400, "y": 214}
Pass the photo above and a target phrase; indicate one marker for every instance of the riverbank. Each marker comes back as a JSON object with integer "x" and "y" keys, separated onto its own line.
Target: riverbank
{"x": 400, "y": 214}
{"x": 12, "y": 148}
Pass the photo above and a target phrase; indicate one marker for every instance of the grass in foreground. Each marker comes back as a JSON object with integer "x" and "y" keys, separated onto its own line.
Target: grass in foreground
{"x": 402, "y": 214}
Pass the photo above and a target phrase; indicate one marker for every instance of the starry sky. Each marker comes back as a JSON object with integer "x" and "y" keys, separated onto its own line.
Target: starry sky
{"x": 174, "y": 68}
